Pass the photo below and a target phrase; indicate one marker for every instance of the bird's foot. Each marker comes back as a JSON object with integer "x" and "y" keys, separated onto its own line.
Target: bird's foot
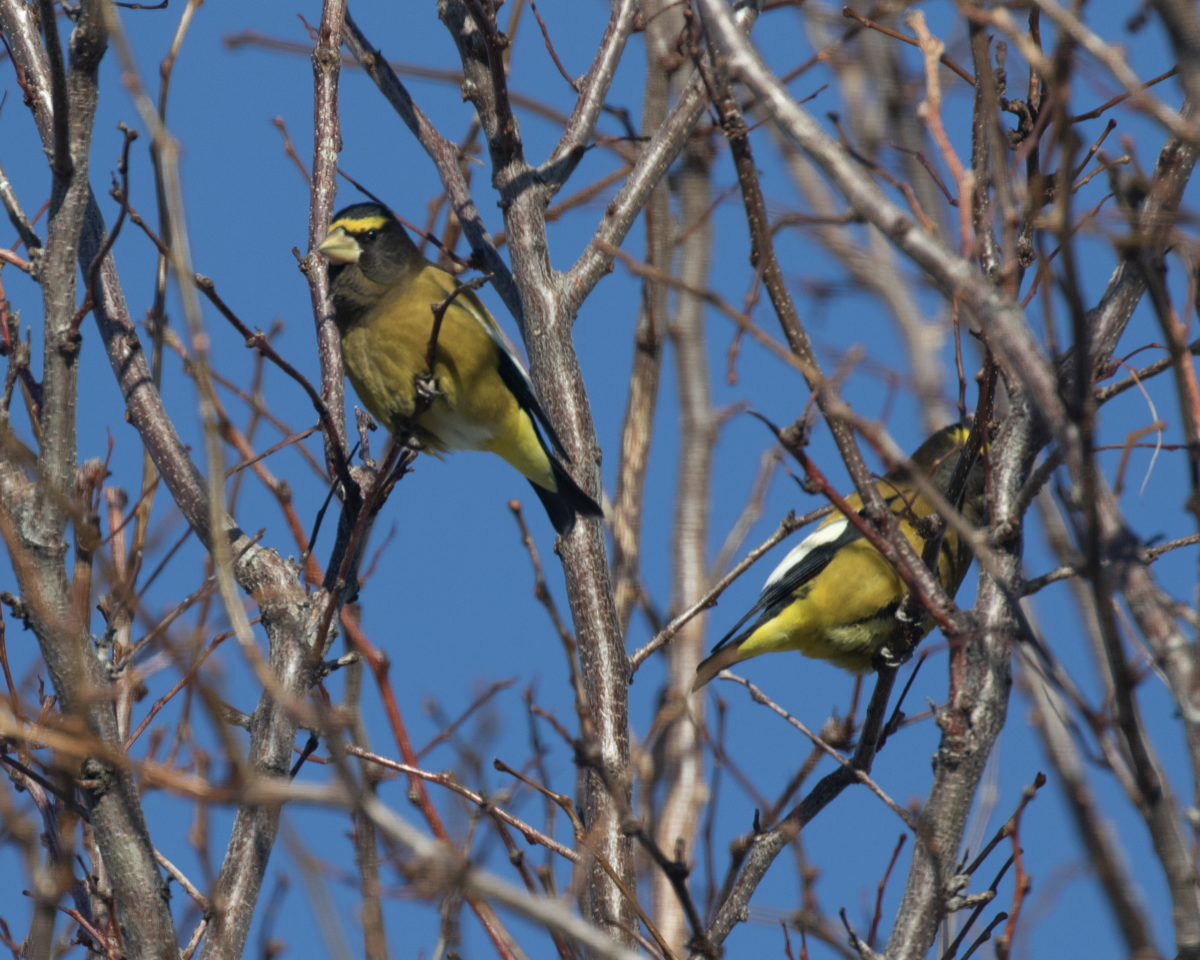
{"x": 427, "y": 388}
{"x": 892, "y": 659}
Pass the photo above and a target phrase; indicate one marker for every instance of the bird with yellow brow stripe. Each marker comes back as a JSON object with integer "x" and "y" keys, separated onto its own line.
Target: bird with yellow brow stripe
{"x": 383, "y": 291}
{"x": 834, "y": 597}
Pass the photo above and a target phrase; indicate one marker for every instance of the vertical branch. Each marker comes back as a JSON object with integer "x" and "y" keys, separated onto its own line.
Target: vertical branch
{"x": 327, "y": 143}
{"x": 548, "y": 316}
{"x": 1110, "y": 539}
{"x": 681, "y": 755}
{"x": 1098, "y": 839}
{"x": 60, "y": 162}
{"x": 68, "y": 200}
{"x": 34, "y": 529}
{"x": 979, "y": 200}
{"x": 365, "y": 850}
{"x": 970, "y": 722}
{"x": 156, "y": 319}
{"x": 638, "y": 425}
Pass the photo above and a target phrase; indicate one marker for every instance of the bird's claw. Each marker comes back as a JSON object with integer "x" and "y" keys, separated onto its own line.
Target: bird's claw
{"x": 886, "y": 657}
{"x": 427, "y": 388}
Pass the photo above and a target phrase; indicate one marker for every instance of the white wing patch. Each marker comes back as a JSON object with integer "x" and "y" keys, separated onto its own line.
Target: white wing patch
{"x": 806, "y": 546}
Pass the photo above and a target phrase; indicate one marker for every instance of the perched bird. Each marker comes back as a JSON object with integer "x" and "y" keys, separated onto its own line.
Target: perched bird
{"x": 383, "y": 291}
{"x": 834, "y": 597}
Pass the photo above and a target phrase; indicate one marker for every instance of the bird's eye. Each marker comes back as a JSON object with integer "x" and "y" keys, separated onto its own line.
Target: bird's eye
{"x": 371, "y": 235}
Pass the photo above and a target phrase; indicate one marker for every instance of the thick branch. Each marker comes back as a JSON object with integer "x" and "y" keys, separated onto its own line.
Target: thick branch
{"x": 679, "y": 751}
{"x": 327, "y": 143}
{"x": 112, "y": 801}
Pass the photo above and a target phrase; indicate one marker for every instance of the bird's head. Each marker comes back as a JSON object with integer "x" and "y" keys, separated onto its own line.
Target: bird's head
{"x": 367, "y": 241}
{"x": 938, "y": 457}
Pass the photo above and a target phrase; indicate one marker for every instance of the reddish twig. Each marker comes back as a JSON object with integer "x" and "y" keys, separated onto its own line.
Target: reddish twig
{"x": 551, "y": 719}
{"x": 1121, "y": 98}
{"x": 910, "y": 196}
{"x": 911, "y": 41}
{"x": 289, "y": 149}
{"x": 379, "y": 665}
{"x": 550, "y": 47}
{"x": 1108, "y": 128}
{"x": 257, "y": 340}
{"x": 937, "y": 177}
{"x": 1021, "y": 880}
{"x": 285, "y": 442}
{"x": 187, "y": 678}
{"x": 102, "y": 942}
{"x": 818, "y": 482}
{"x": 479, "y": 701}
{"x": 787, "y": 941}
{"x": 1010, "y": 825}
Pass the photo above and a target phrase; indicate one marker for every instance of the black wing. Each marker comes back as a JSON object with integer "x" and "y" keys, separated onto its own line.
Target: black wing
{"x": 779, "y": 594}
{"x": 514, "y": 378}
{"x": 510, "y": 370}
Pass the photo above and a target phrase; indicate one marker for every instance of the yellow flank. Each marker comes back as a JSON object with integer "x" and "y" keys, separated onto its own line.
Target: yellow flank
{"x": 385, "y": 351}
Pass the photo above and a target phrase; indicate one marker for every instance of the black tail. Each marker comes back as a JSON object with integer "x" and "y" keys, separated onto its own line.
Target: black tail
{"x": 568, "y": 500}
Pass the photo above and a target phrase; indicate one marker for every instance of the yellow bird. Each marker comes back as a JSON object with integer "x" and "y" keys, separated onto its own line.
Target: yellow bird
{"x": 834, "y": 597}
{"x": 382, "y": 292}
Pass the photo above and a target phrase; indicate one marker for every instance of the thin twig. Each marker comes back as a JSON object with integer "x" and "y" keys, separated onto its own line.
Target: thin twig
{"x": 89, "y": 299}
{"x": 257, "y": 340}
{"x": 285, "y": 442}
{"x": 550, "y": 47}
{"x": 789, "y": 525}
{"x": 911, "y": 41}
{"x": 883, "y": 886}
{"x": 289, "y": 149}
{"x": 478, "y": 702}
{"x": 759, "y": 697}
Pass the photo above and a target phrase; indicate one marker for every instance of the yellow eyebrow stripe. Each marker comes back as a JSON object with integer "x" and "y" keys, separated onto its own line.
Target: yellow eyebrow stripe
{"x": 361, "y": 225}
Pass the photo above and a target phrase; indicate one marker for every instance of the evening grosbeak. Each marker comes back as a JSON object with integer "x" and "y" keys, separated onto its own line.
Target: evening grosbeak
{"x": 835, "y": 597}
{"x": 383, "y": 290}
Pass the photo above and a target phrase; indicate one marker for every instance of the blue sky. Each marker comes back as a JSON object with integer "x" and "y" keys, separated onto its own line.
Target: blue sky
{"x": 452, "y": 599}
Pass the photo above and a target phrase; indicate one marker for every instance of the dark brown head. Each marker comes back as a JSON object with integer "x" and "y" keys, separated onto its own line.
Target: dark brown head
{"x": 368, "y": 252}
{"x": 938, "y": 457}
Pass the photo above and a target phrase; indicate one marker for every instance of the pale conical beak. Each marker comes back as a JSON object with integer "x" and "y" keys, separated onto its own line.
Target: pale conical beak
{"x": 340, "y": 247}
